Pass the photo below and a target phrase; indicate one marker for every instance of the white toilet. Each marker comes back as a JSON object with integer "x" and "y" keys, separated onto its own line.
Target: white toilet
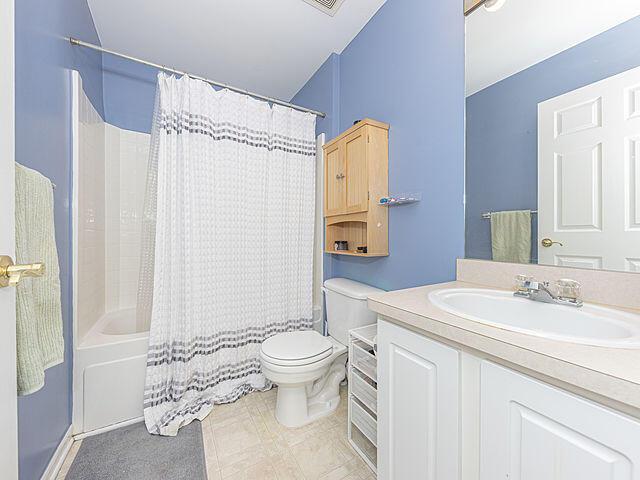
{"x": 307, "y": 367}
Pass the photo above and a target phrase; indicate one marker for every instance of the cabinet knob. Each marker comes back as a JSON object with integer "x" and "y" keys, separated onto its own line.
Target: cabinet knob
{"x": 339, "y": 176}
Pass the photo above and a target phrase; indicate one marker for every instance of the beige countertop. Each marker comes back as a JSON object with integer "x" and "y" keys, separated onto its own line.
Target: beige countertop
{"x": 606, "y": 373}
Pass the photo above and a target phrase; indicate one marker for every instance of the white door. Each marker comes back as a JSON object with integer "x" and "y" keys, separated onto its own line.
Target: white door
{"x": 8, "y": 405}
{"x": 589, "y": 175}
{"x": 418, "y": 412}
{"x": 532, "y": 431}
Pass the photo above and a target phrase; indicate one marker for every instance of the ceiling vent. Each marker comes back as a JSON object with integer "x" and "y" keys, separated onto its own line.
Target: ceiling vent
{"x": 330, "y": 7}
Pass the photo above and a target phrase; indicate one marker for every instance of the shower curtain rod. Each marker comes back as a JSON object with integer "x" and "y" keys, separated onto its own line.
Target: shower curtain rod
{"x": 80, "y": 43}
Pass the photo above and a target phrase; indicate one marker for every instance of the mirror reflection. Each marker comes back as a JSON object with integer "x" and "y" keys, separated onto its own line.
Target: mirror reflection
{"x": 553, "y": 133}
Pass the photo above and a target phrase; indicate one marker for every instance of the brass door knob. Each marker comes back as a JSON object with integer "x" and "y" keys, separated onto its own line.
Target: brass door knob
{"x": 547, "y": 242}
{"x": 10, "y": 274}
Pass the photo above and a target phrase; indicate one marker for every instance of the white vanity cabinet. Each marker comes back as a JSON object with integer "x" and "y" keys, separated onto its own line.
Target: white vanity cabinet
{"x": 418, "y": 414}
{"x": 448, "y": 413}
{"x": 532, "y": 431}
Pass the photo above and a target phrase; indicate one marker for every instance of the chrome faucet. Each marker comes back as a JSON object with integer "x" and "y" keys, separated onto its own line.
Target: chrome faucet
{"x": 569, "y": 291}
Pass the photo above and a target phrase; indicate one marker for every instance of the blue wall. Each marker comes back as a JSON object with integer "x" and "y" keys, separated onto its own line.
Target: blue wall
{"x": 406, "y": 68}
{"x": 43, "y": 121}
{"x": 322, "y": 92}
{"x": 129, "y": 94}
{"x": 502, "y": 126}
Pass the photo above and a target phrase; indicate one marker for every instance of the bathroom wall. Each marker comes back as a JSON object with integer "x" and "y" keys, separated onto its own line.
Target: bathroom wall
{"x": 90, "y": 270}
{"x": 502, "y": 126}
{"x": 406, "y": 67}
{"x": 126, "y": 155}
{"x": 322, "y": 92}
{"x": 43, "y": 141}
{"x": 129, "y": 94}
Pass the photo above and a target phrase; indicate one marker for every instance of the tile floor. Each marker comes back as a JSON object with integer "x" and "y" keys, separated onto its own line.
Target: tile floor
{"x": 243, "y": 440}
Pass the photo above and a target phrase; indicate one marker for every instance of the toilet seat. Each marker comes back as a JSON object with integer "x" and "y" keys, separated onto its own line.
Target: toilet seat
{"x": 296, "y": 348}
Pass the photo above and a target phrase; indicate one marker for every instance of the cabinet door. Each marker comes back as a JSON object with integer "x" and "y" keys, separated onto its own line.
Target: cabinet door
{"x": 355, "y": 153}
{"x": 532, "y": 431}
{"x": 335, "y": 180}
{"x": 418, "y": 413}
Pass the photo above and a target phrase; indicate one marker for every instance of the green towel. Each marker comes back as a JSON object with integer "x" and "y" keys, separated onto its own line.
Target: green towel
{"x": 39, "y": 314}
{"x": 511, "y": 236}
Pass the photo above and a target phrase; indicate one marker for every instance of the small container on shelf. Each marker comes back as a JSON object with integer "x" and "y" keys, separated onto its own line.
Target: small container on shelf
{"x": 400, "y": 199}
{"x": 341, "y": 245}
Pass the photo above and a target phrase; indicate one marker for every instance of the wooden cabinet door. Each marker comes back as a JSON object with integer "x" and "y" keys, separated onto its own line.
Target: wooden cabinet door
{"x": 532, "y": 431}
{"x": 357, "y": 189}
{"x": 335, "y": 180}
{"x": 418, "y": 406}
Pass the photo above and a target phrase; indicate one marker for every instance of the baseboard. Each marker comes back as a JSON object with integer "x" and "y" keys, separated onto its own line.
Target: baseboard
{"x": 55, "y": 464}
{"x": 97, "y": 431}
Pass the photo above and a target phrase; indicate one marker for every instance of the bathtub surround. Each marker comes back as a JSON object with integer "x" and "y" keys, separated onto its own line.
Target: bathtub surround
{"x": 233, "y": 254}
{"x": 43, "y": 142}
{"x": 110, "y": 170}
{"x": 89, "y": 215}
{"x": 110, "y": 351}
{"x": 502, "y": 127}
{"x": 126, "y": 155}
{"x": 130, "y": 453}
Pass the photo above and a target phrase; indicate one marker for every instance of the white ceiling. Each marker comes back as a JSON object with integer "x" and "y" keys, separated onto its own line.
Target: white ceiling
{"x": 270, "y": 47}
{"x": 525, "y": 32}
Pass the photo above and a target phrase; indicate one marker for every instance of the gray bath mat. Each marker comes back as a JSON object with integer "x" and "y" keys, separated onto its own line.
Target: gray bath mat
{"x": 131, "y": 453}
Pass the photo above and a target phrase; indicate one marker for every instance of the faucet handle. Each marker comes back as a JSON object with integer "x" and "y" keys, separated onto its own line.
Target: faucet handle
{"x": 568, "y": 289}
{"x": 522, "y": 282}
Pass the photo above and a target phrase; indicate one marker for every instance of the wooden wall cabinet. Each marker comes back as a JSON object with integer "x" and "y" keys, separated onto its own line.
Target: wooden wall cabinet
{"x": 356, "y": 172}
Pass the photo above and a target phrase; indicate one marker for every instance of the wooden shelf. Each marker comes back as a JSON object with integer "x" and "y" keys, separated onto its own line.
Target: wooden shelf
{"x": 354, "y": 253}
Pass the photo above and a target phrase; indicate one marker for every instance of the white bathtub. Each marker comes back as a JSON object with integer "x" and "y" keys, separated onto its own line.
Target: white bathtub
{"x": 108, "y": 373}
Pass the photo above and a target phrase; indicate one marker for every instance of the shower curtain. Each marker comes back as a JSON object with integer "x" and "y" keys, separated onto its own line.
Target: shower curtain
{"x": 228, "y": 244}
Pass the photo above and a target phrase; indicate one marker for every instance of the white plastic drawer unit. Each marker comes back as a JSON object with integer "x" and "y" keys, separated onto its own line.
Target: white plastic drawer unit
{"x": 364, "y": 360}
{"x": 365, "y": 422}
{"x": 364, "y": 390}
{"x": 363, "y": 394}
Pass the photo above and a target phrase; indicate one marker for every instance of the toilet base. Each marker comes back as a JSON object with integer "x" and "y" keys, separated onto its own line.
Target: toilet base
{"x": 300, "y": 404}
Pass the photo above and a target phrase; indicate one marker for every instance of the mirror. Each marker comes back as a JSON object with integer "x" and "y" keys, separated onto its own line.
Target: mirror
{"x": 553, "y": 133}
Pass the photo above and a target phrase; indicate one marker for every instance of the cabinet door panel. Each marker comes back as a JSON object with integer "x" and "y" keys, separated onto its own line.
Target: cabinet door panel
{"x": 335, "y": 181}
{"x": 357, "y": 194}
{"x": 418, "y": 412}
{"x": 533, "y": 431}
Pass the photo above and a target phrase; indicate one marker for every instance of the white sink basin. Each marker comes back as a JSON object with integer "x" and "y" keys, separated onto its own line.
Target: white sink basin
{"x": 589, "y": 324}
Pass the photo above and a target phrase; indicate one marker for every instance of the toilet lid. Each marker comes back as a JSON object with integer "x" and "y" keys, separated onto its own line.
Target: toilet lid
{"x": 297, "y": 348}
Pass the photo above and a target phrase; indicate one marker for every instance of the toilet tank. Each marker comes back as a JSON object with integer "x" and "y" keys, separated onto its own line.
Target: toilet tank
{"x": 346, "y": 302}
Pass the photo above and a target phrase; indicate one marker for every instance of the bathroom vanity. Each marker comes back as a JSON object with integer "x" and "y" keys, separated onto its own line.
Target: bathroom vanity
{"x": 461, "y": 399}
